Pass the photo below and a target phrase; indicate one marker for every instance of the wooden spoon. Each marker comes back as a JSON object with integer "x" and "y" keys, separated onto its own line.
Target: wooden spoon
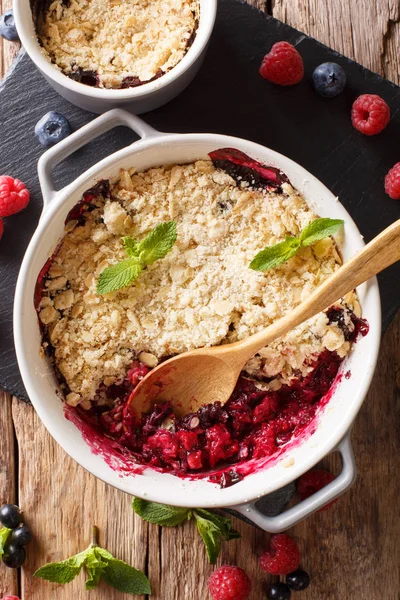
{"x": 208, "y": 375}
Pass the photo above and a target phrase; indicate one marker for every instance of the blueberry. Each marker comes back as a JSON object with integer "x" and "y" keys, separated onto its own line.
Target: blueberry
{"x": 21, "y": 535}
{"x": 298, "y": 580}
{"x": 10, "y": 516}
{"x": 278, "y": 591}
{"x": 329, "y": 79}
{"x": 14, "y": 556}
{"x": 7, "y": 27}
{"x": 52, "y": 128}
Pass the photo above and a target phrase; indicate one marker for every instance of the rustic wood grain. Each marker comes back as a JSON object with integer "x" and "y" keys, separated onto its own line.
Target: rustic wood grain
{"x": 8, "y": 50}
{"x": 63, "y": 501}
{"x": 351, "y": 551}
{"x": 8, "y": 577}
{"x": 366, "y": 30}
{"x": 8, "y": 447}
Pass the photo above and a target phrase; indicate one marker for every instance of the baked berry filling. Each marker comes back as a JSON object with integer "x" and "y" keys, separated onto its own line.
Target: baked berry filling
{"x": 242, "y": 167}
{"x": 254, "y": 423}
{"x": 281, "y": 389}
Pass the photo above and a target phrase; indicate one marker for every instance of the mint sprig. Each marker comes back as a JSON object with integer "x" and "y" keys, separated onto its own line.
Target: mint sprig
{"x": 213, "y": 528}
{"x": 273, "y": 256}
{"x": 141, "y": 254}
{"x": 161, "y": 514}
{"x": 99, "y": 564}
{"x": 4, "y": 534}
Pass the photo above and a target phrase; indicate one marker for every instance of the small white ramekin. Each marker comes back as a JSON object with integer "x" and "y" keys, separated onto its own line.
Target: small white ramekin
{"x": 138, "y": 99}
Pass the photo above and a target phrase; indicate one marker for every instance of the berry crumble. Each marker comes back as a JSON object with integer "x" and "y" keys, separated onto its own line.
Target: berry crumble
{"x": 202, "y": 293}
{"x": 116, "y": 43}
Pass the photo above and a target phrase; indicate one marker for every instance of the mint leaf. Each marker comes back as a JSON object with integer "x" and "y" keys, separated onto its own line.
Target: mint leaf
{"x": 104, "y": 553}
{"x": 125, "y": 578}
{"x": 99, "y": 564}
{"x": 223, "y": 523}
{"x": 154, "y": 246}
{"x": 131, "y": 246}
{"x": 118, "y": 276}
{"x": 64, "y": 571}
{"x": 4, "y": 533}
{"x": 213, "y": 529}
{"x": 319, "y": 229}
{"x": 158, "y": 243}
{"x": 95, "y": 566}
{"x": 273, "y": 256}
{"x": 211, "y": 535}
{"x": 160, "y": 514}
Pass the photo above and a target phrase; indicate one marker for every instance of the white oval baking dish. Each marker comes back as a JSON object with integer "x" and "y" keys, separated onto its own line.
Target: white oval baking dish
{"x": 138, "y": 99}
{"x": 334, "y": 421}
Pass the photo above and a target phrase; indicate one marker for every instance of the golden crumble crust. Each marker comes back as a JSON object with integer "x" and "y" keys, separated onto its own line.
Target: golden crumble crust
{"x": 118, "y": 39}
{"x": 201, "y": 294}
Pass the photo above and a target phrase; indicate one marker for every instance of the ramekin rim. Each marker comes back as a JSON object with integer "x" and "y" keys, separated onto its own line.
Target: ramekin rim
{"x": 208, "y": 11}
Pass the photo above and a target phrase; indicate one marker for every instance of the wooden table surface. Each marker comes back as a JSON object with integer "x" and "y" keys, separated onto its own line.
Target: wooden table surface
{"x": 352, "y": 551}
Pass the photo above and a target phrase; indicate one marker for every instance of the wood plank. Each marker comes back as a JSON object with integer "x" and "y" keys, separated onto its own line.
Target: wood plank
{"x": 8, "y": 448}
{"x": 62, "y": 502}
{"x": 367, "y": 31}
{"x": 8, "y": 50}
{"x": 8, "y": 577}
{"x": 351, "y": 551}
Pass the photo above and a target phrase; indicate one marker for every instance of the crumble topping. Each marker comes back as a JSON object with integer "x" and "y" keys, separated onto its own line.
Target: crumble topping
{"x": 201, "y": 294}
{"x": 118, "y": 40}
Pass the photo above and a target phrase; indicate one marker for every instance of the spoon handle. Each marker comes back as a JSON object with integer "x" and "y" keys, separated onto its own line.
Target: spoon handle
{"x": 381, "y": 252}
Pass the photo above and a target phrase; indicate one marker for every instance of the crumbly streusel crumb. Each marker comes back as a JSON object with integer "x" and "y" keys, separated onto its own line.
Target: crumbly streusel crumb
{"x": 118, "y": 39}
{"x": 201, "y": 294}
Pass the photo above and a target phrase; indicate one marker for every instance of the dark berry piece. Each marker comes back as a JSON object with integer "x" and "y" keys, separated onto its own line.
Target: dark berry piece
{"x": 282, "y": 65}
{"x": 14, "y": 196}
{"x": 298, "y": 580}
{"x": 392, "y": 182}
{"x": 7, "y": 27}
{"x": 278, "y": 591}
{"x": 21, "y": 535}
{"x": 229, "y": 583}
{"x": 10, "y": 516}
{"x": 84, "y": 76}
{"x": 313, "y": 481}
{"x": 52, "y": 128}
{"x": 329, "y": 79}
{"x": 282, "y": 556}
{"x": 14, "y": 556}
{"x": 370, "y": 114}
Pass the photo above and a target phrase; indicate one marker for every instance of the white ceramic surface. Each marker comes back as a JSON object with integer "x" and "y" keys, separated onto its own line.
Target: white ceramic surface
{"x": 156, "y": 149}
{"x": 139, "y": 99}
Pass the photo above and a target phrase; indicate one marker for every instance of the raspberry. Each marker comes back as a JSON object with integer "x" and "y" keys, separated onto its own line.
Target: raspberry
{"x": 1, "y": 228}
{"x": 282, "y": 65}
{"x": 311, "y": 482}
{"x": 229, "y": 583}
{"x": 282, "y": 557}
{"x": 13, "y": 196}
{"x": 370, "y": 114}
{"x": 392, "y": 182}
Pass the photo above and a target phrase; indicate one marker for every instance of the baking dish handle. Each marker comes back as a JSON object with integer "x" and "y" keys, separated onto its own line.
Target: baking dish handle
{"x": 307, "y": 507}
{"x": 51, "y": 158}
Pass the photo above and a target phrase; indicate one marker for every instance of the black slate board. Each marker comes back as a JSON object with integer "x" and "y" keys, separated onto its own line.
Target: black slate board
{"x": 228, "y": 96}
